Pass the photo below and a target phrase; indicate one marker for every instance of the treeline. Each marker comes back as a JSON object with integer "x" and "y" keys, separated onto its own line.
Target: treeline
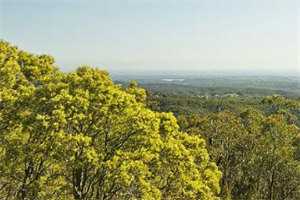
{"x": 255, "y": 141}
{"x": 193, "y": 90}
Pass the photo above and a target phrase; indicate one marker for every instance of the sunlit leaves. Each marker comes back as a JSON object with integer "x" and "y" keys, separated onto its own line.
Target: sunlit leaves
{"x": 79, "y": 136}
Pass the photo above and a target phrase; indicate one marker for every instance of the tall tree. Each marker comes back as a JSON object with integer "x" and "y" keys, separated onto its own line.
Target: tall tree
{"x": 80, "y": 136}
{"x": 257, "y": 154}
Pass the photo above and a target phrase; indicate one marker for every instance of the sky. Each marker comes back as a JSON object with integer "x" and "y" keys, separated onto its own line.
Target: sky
{"x": 249, "y": 36}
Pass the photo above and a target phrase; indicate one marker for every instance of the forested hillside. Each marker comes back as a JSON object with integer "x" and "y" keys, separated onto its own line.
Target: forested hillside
{"x": 210, "y": 85}
{"x": 78, "y": 135}
{"x": 255, "y": 141}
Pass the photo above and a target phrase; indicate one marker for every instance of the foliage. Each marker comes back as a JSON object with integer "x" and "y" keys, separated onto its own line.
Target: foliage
{"x": 255, "y": 153}
{"x": 80, "y": 136}
{"x": 254, "y": 141}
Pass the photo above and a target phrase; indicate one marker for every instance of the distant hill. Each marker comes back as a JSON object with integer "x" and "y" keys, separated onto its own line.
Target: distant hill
{"x": 218, "y": 85}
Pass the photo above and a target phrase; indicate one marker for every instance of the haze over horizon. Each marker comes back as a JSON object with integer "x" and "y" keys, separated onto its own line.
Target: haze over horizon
{"x": 252, "y": 36}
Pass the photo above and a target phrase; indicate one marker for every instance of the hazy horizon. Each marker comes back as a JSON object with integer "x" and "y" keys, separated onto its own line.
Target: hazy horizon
{"x": 201, "y": 72}
{"x": 252, "y": 37}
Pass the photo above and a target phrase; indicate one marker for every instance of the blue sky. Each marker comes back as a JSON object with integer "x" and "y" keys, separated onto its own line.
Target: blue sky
{"x": 260, "y": 36}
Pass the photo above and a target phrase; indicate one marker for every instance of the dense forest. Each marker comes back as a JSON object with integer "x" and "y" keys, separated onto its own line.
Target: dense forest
{"x": 79, "y": 135}
{"x": 255, "y": 141}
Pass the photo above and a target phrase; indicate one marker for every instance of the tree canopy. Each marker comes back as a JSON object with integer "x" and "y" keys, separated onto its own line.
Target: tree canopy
{"x": 78, "y": 136}
{"x": 255, "y": 142}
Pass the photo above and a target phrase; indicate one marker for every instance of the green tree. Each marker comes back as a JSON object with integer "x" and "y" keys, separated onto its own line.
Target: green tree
{"x": 276, "y": 169}
{"x": 257, "y": 154}
{"x": 80, "y": 136}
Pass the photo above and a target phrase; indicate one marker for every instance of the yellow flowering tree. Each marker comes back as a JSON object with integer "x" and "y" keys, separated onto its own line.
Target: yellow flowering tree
{"x": 80, "y": 136}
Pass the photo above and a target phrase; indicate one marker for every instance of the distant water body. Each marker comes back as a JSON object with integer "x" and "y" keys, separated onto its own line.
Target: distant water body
{"x": 173, "y": 79}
